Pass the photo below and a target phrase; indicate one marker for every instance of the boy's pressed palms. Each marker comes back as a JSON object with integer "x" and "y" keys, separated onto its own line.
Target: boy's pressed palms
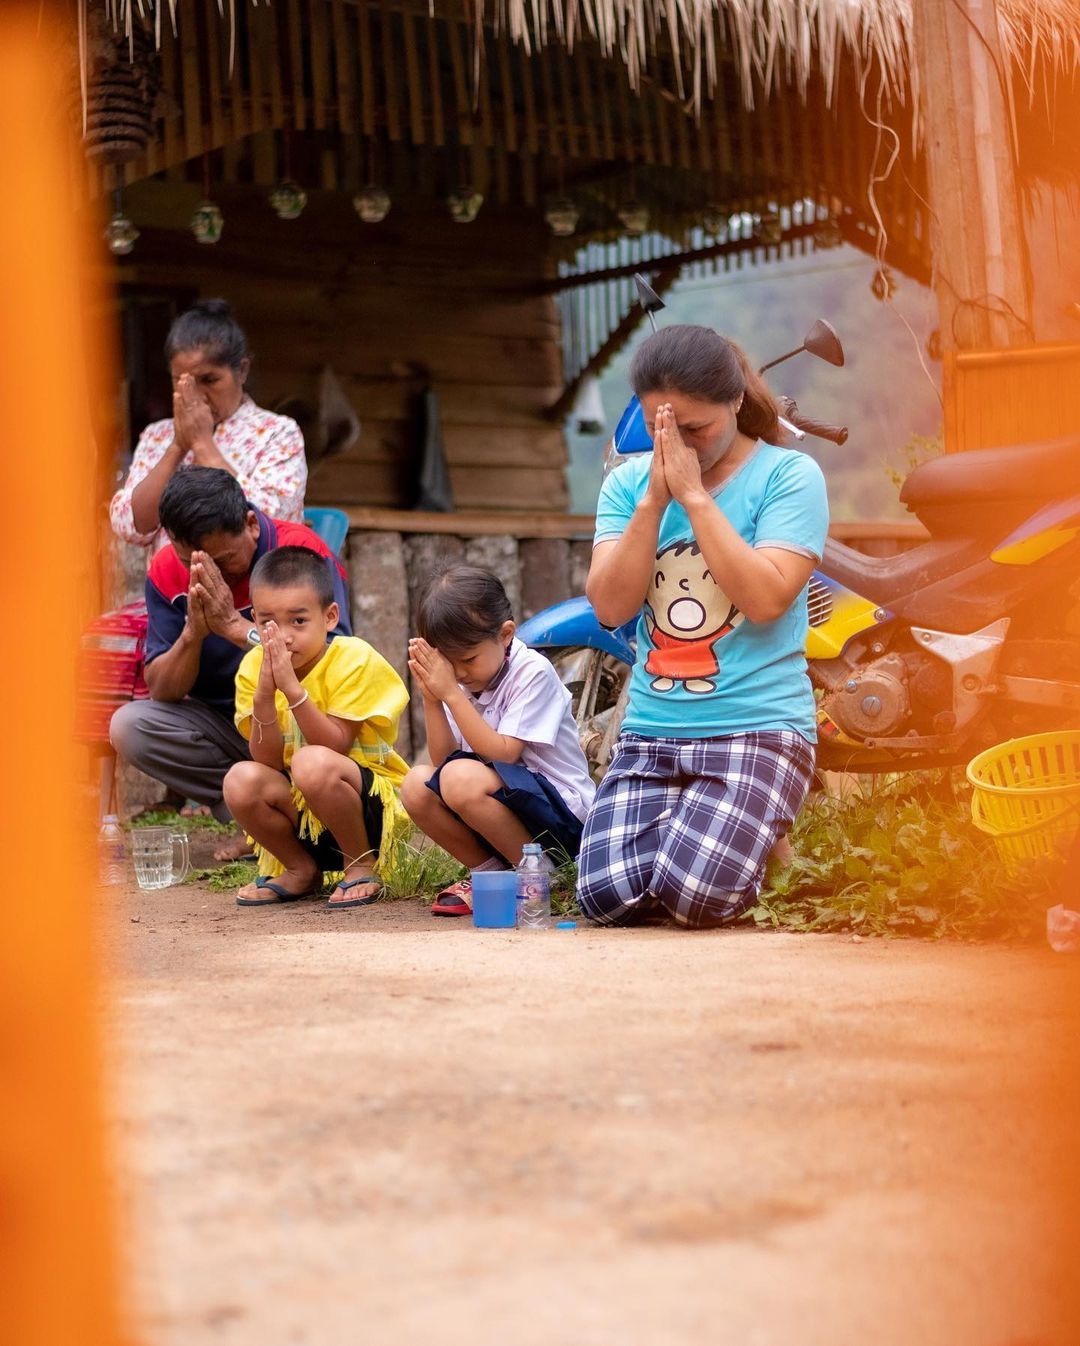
{"x": 276, "y": 653}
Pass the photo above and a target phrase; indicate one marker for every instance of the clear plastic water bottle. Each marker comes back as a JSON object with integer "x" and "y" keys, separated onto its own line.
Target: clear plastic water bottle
{"x": 112, "y": 858}
{"x": 534, "y": 889}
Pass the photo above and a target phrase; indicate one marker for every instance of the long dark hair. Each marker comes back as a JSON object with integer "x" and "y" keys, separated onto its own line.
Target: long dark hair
{"x": 701, "y": 363}
{"x": 461, "y": 606}
{"x": 209, "y": 326}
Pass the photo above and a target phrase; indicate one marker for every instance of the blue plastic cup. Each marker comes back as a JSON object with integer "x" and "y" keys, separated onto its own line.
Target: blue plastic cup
{"x": 494, "y": 899}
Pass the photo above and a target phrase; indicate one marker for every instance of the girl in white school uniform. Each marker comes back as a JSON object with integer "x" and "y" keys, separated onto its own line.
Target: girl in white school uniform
{"x": 507, "y": 767}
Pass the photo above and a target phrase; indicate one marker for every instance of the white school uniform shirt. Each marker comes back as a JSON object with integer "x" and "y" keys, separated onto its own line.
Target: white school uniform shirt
{"x": 527, "y": 701}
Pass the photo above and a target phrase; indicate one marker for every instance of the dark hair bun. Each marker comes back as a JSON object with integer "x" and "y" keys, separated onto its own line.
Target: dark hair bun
{"x": 214, "y": 308}
{"x": 209, "y": 326}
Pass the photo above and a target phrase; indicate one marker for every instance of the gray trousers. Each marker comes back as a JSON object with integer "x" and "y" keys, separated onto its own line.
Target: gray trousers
{"x": 184, "y": 744}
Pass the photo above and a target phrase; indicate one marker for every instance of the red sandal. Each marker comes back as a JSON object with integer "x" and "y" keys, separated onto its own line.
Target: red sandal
{"x": 453, "y": 901}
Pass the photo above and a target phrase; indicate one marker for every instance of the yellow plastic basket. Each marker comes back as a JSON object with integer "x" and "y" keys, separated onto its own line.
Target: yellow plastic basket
{"x": 1027, "y": 795}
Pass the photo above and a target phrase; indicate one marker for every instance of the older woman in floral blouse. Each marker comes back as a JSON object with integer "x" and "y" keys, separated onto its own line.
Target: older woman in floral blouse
{"x": 214, "y": 424}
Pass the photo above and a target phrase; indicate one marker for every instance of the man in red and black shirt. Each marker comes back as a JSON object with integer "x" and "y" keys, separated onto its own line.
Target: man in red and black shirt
{"x": 200, "y": 627}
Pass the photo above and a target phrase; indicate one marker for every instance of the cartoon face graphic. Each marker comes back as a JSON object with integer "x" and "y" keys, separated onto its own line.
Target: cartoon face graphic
{"x": 686, "y": 613}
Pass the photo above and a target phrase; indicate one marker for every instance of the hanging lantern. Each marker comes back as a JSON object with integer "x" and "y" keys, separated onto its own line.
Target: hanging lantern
{"x": 464, "y": 205}
{"x": 288, "y": 199}
{"x": 827, "y": 234}
{"x": 883, "y": 286}
{"x": 207, "y": 223}
{"x": 562, "y": 216}
{"x": 120, "y": 235}
{"x": 634, "y": 217}
{"x": 714, "y": 220}
{"x": 372, "y": 204}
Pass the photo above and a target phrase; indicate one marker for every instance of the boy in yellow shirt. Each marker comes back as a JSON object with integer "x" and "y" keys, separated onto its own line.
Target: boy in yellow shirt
{"x": 321, "y": 717}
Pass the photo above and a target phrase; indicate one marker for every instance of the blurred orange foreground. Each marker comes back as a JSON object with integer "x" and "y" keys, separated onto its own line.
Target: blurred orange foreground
{"x": 55, "y": 1236}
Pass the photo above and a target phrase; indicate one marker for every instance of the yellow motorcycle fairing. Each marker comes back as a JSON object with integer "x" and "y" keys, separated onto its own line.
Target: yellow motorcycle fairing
{"x": 848, "y": 615}
{"x": 1045, "y": 532}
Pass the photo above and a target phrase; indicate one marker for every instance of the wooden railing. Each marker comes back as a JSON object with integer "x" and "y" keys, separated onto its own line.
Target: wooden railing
{"x": 876, "y": 538}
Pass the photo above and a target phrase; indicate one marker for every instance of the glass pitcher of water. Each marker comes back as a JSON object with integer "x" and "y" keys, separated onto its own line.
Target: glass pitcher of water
{"x": 161, "y": 856}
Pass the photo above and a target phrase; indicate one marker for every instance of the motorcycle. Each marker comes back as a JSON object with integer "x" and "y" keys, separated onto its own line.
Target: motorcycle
{"x": 917, "y": 660}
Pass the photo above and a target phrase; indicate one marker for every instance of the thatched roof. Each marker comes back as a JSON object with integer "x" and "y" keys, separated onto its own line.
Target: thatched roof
{"x": 770, "y": 41}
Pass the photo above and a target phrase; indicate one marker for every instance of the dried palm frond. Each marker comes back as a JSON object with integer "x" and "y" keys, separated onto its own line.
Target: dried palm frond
{"x": 769, "y": 39}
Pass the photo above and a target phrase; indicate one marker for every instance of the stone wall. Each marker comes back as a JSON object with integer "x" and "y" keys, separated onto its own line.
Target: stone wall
{"x": 388, "y": 571}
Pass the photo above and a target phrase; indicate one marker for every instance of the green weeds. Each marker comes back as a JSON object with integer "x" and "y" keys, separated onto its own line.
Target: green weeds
{"x": 169, "y": 818}
{"x": 901, "y": 856}
{"x": 224, "y": 878}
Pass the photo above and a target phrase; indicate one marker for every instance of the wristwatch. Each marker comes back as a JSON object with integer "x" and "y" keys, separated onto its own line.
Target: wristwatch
{"x": 253, "y": 637}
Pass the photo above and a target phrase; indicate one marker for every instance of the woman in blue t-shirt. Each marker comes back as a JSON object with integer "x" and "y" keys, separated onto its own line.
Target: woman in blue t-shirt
{"x": 712, "y": 539}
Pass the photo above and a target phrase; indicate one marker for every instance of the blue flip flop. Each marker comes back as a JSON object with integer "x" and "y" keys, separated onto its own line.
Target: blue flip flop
{"x": 346, "y": 884}
{"x": 280, "y": 894}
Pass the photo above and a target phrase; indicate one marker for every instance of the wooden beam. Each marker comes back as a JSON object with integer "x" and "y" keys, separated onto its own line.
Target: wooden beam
{"x": 610, "y": 347}
{"x": 532, "y": 524}
{"x": 982, "y": 272}
{"x": 472, "y": 523}
{"x": 738, "y": 246}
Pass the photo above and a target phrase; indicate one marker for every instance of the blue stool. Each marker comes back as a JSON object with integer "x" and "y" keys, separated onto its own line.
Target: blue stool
{"x": 332, "y": 525}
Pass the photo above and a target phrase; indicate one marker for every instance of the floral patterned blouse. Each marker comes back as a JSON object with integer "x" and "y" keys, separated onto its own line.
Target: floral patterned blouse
{"x": 266, "y": 451}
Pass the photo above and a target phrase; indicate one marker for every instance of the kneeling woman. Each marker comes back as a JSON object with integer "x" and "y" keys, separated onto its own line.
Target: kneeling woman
{"x": 712, "y": 539}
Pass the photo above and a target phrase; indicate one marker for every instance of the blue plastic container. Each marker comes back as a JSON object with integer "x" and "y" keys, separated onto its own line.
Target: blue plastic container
{"x": 494, "y": 899}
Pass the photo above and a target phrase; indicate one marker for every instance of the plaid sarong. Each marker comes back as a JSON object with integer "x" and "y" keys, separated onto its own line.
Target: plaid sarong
{"x": 687, "y": 825}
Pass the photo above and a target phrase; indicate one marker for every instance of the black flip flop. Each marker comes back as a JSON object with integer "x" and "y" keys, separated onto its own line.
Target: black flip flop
{"x": 346, "y": 884}
{"x": 280, "y": 894}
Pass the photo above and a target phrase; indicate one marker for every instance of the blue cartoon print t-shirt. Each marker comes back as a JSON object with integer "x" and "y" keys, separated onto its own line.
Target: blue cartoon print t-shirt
{"x": 702, "y": 669}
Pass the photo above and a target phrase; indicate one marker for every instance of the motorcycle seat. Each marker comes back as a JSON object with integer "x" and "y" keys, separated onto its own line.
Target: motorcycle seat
{"x": 987, "y": 477}
{"x": 889, "y": 579}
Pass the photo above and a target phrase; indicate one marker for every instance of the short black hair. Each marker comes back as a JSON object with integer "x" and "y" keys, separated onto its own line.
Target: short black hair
{"x": 460, "y": 606}
{"x": 198, "y": 501}
{"x": 209, "y": 326}
{"x": 285, "y": 566}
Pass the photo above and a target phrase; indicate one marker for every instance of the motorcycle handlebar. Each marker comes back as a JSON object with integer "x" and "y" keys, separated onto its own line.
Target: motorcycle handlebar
{"x": 837, "y": 434}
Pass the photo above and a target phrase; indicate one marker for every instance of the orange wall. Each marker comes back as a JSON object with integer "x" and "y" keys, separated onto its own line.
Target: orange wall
{"x": 55, "y": 1232}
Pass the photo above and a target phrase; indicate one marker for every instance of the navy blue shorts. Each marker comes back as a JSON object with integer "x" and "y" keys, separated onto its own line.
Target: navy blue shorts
{"x": 533, "y": 801}
{"x": 326, "y": 852}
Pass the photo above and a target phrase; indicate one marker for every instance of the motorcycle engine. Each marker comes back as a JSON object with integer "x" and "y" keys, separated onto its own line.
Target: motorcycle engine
{"x": 873, "y": 702}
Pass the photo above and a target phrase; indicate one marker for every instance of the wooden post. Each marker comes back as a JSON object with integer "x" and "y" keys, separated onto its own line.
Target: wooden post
{"x": 56, "y": 1242}
{"x": 982, "y": 273}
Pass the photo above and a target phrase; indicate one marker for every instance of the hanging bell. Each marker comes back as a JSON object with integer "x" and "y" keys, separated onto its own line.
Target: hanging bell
{"x": 207, "y": 223}
{"x": 464, "y": 205}
{"x": 883, "y": 286}
{"x": 714, "y": 220}
{"x": 634, "y": 217}
{"x": 562, "y": 216}
{"x": 120, "y": 235}
{"x": 288, "y": 199}
{"x": 372, "y": 204}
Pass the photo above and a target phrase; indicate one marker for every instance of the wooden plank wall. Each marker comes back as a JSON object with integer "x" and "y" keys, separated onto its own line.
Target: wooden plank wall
{"x": 996, "y": 398}
{"x": 380, "y": 305}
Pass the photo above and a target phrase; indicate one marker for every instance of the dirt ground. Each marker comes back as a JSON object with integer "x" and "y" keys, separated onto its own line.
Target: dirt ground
{"x": 372, "y": 1126}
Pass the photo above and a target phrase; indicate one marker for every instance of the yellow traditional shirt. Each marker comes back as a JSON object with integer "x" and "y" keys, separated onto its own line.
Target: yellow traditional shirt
{"x": 353, "y": 682}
